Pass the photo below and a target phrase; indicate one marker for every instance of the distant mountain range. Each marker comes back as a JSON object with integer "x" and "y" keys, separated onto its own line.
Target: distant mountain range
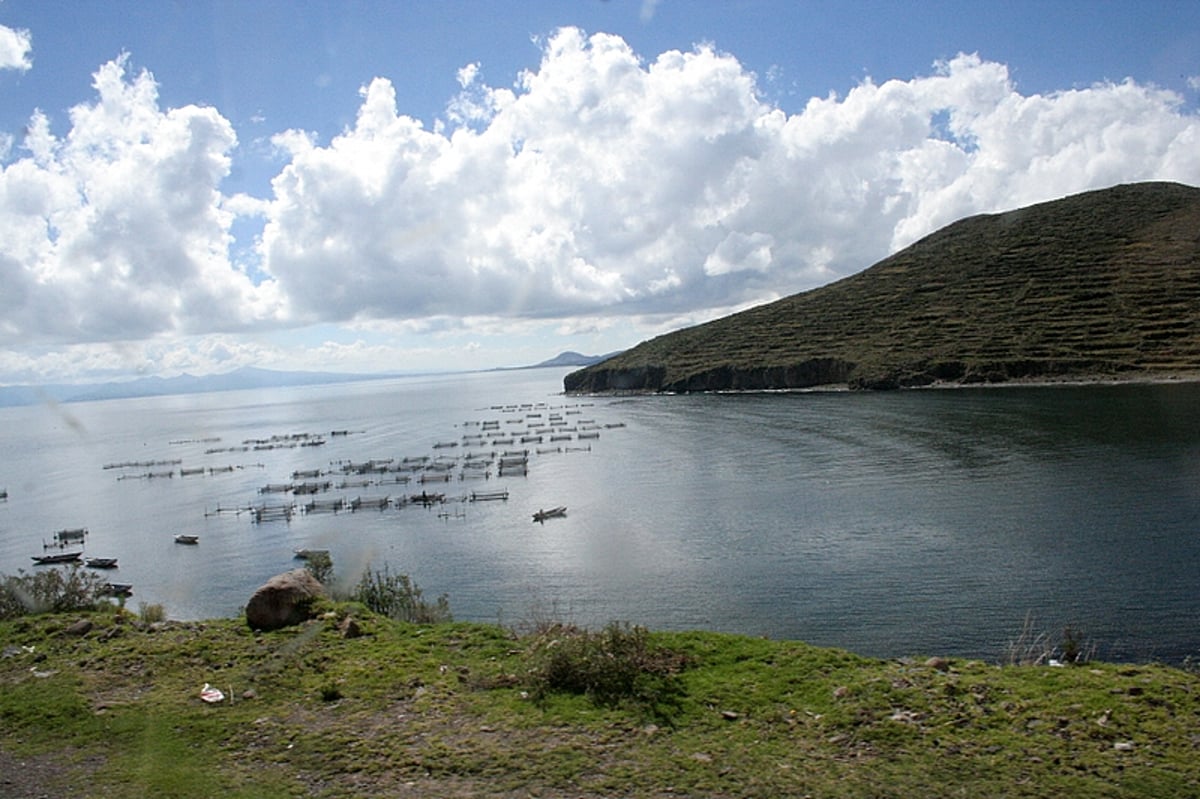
{"x": 245, "y": 378}
{"x": 1102, "y": 285}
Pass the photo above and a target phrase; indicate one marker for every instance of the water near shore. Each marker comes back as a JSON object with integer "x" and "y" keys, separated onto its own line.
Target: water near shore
{"x": 889, "y": 524}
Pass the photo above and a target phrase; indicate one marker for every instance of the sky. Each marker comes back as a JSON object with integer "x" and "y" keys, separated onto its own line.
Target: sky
{"x": 408, "y": 186}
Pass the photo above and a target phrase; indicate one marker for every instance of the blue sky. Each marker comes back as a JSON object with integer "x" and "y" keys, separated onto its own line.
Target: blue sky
{"x": 391, "y": 186}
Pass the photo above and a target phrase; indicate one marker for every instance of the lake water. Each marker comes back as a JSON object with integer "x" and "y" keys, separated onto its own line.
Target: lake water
{"x": 891, "y": 524}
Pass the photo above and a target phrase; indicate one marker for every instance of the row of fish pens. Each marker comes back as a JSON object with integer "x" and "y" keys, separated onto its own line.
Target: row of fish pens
{"x": 265, "y": 512}
{"x": 427, "y": 469}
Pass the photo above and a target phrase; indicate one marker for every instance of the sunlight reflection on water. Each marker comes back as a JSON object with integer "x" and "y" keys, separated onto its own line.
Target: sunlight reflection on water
{"x": 889, "y": 524}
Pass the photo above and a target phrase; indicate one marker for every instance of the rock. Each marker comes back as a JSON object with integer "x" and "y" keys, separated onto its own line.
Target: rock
{"x": 350, "y": 628}
{"x": 941, "y": 664}
{"x": 284, "y": 600}
{"x": 81, "y": 627}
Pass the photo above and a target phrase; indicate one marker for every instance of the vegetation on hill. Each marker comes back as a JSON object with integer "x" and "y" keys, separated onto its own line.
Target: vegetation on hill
{"x": 111, "y": 707}
{"x": 1104, "y": 284}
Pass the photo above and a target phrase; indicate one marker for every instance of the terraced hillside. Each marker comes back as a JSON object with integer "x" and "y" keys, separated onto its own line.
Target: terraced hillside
{"x": 1104, "y": 284}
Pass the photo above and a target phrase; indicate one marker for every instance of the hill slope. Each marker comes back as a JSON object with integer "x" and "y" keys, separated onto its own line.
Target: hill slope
{"x": 1097, "y": 285}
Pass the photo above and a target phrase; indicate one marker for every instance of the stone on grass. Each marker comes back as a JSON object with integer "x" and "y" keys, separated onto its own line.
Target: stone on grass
{"x": 350, "y": 628}
{"x": 81, "y": 627}
{"x": 284, "y": 600}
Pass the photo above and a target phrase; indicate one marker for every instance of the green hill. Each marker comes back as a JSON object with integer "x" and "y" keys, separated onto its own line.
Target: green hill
{"x": 1100, "y": 285}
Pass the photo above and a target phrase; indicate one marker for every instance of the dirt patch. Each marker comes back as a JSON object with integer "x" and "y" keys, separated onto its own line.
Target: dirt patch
{"x": 37, "y": 777}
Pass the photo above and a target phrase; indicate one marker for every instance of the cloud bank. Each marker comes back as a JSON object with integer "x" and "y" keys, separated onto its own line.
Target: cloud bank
{"x": 600, "y": 185}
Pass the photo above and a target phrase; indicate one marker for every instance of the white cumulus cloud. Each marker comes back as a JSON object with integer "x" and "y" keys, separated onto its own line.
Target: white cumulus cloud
{"x": 118, "y": 231}
{"x": 16, "y": 49}
{"x": 600, "y": 186}
{"x": 605, "y": 184}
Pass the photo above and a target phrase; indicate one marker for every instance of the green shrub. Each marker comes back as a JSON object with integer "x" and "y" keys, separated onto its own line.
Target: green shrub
{"x": 151, "y": 613}
{"x": 1033, "y": 648}
{"x": 320, "y": 566}
{"x": 1076, "y": 649}
{"x": 614, "y": 665}
{"x": 398, "y": 597}
{"x": 58, "y": 590}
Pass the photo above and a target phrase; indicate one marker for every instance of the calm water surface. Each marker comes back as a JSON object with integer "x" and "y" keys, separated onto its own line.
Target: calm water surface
{"x": 890, "y": 524}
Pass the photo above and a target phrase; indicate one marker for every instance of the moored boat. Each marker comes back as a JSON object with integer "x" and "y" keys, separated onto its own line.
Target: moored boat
{"x": 57, "y": 557}
{"x": 101, "y": 563}
{"x": 552, "y": 513}
{"x": 117, "y": 589}
{"x": 187, "y": 539}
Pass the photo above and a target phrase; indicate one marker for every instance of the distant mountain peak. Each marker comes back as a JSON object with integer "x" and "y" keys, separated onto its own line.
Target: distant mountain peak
{"x": 570, "y": 358}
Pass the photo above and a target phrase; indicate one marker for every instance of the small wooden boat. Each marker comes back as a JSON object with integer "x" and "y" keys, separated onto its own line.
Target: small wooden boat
{"x": 553, "y": 513}
{"x": 58, "y": 557}
{"x": 306, "y": 554}
{"x": 118, "y": 589}
{"x": 101, "y": 563}
{"x": 187, "y": 539}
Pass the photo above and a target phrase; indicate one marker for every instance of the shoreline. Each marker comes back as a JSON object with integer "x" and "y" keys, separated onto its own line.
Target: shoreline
{"x": 1156, "y": 378}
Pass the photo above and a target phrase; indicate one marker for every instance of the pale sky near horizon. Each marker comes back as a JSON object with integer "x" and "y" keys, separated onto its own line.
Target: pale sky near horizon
{"x": 394, "y": 186}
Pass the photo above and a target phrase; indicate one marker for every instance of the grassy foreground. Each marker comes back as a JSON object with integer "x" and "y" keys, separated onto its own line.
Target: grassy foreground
{"x": 448, "y": 710}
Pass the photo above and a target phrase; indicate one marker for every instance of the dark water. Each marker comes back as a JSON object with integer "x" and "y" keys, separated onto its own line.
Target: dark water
{"x": 889, "y": 524}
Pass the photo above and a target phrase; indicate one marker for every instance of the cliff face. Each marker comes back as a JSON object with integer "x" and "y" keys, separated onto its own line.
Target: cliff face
{"x": 817, "y": 372}
{"x": 1104, "y": 284}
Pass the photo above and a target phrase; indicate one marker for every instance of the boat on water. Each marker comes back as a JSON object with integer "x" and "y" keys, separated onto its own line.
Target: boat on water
{"x": 101, "y": 563}
{"x": 117, "y": 589}
{"x": 307, "y": 554}
{"x": 57, "y": 557}
{"x": 187, "y": 539}
{"x": 552, "y": 513}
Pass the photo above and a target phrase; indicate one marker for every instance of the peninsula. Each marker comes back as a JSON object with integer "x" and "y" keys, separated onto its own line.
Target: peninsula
{"x": 1103, "y": 285}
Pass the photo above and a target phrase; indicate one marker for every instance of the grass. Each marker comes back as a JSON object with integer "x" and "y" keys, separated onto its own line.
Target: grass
{"x": 453, "y": 709}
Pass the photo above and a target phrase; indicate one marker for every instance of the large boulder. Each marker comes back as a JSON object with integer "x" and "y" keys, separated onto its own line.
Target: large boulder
{"x": 284, "y": 600}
